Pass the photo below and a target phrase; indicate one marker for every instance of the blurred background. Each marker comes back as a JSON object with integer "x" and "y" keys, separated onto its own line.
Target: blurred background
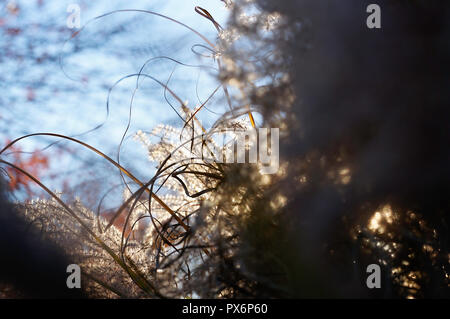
{"x": 52, "y": 81}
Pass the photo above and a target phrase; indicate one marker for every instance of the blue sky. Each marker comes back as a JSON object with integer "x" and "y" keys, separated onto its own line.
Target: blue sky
{"x": 107, "y": 49}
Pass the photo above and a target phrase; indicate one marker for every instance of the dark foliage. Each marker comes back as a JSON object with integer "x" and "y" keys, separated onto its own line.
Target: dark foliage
{"x": 34, "y": 267}
{"x": 377, "y": 102}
